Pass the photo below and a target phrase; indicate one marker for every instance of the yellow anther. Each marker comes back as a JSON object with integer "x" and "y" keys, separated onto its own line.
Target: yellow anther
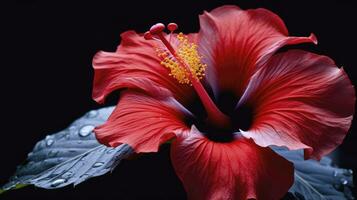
{"x": 188, "y": 53}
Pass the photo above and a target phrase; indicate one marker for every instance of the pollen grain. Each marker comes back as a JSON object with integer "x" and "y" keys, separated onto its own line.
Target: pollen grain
{"x": 188, "y": 53}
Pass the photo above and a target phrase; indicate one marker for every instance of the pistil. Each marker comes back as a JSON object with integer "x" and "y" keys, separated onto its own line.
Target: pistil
{"x": 214, "y": 115}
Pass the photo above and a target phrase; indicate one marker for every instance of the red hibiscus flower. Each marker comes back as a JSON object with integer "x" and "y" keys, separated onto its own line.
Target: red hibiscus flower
{"x": 223, "y": 95}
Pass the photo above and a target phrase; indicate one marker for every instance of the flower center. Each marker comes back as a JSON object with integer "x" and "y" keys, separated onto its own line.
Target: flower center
{"x": 186, "y": 67}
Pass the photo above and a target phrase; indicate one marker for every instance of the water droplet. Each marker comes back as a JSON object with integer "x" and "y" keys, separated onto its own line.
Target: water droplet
{"x": 43, "y": 162}
{"x": 335, "y": 173}
{"x": 61, "y": 134}
{"x": 348, "y": 172}
{"x": 109, "y": 151}
{"x": 67, "y": 174}
{"x": 49, "y": 142}
{"x": 67, "y": 136}
{"x": 52, "y": 153}
{"x": 58, "y": 182}
{"x": 98, "y": 164}
{"x": 92, "y": 114}
{"x": 86, "y": 130}
{"x": 344, "y": 181}
{"x": 84, "y": 177}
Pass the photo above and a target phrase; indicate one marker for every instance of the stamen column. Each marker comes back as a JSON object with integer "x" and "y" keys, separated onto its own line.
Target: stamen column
{"x": 214, "y": 114}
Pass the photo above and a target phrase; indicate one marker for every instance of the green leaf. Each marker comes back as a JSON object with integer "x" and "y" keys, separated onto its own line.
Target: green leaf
{"x": 70, "y": 156}
{"x": 318, "y": 179}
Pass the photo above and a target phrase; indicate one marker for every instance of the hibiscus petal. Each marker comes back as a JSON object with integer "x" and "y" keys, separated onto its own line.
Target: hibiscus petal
{"x": 142, "y": 122}
{"x": 300, "y": 100}
{"x": 236, "y": 170}
{"x": 234, "y": 43}
{"x": 134, "y": 65}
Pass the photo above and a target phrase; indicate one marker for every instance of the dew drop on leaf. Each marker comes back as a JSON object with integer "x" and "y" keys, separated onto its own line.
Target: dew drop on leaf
{"x": 98, "y": 164}
{"x": 58, "y": 182}
{"x": 86, "y": 130}
{"x": 109, "y": 151}
{"x": 344, "y": 181}
{"x": 67, "y": 174}
{"x": 92, "y": 114}
{"x": 49, "y": 142}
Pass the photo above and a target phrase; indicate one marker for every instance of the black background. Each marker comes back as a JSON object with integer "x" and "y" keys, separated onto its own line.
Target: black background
{"x": 46, "y": 77}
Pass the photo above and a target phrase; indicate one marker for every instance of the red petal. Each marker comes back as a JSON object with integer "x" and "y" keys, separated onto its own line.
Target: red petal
{"x": 136, "y": 65}
{"x": 236, "y": 170}
{"x": 300, "y": 100}
{"x": 235, "y": 42}
{"x": 141, "y": 121}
